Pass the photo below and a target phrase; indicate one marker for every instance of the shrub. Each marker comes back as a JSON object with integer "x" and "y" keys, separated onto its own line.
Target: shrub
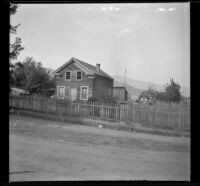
{"x": 102, "y": 99}
{"x": 93, "y": 99}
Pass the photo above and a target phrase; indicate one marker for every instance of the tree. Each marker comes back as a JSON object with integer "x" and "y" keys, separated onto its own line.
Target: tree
{"x": 173, "y": 92}
{"x": 15, "y": 47}
{"x": 43, "y": 83}
{"x": 19, "y": 78}
{"x": 31, "y": 76}
{"x": 162, "y": 96}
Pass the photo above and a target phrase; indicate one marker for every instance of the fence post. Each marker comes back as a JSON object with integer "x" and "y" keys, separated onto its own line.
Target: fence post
{"x": 133, "y": 110}
{"x": 79, "y": 108}
{"x": 153, "y": 117}
{"x": 18, "y": 105}
{"x": 142, "y": 118}
{"x": 93, "y": 109}
{"x": 126, "y": 114}
{"x": 31, "y": 102}
{"x": 120, "y": 112}
{"x": 174, "y": 123}
{"x": 167, "y": 119}
{"x": 22, "y": 103}
{"x": 179, "y": 121}
{"x": 116, "y": 111}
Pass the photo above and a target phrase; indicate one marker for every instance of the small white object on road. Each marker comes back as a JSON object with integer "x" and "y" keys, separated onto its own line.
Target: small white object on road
{"x": 100, "y": 126}
{"x": 61, "y": 141}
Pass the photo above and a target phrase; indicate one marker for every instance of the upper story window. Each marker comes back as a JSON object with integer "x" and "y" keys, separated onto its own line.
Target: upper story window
{"x": 67, "y": 75}
{"x": 78, "y": 75}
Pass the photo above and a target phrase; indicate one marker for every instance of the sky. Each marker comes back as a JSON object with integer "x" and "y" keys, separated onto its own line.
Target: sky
{"x": 152, "y": 41}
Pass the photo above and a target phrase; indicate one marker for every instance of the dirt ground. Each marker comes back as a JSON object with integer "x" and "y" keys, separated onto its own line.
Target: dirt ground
{"x": 51, "y": 150}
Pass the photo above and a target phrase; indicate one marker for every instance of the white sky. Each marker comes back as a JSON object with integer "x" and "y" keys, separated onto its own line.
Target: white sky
{"x": 152, "y": 41}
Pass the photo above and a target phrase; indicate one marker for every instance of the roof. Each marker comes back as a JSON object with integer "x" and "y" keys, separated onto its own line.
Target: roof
{"x": 120, "y": 87}
{"x": 19, "y": 90}
{"x": 88, "y": 68}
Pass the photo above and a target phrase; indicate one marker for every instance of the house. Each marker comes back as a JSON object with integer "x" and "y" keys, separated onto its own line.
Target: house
{"x": 78, "y": 80}
{"x": 146, "y": 100}
{"x": 120, "y": 93}
{"x": 18, "y": 91}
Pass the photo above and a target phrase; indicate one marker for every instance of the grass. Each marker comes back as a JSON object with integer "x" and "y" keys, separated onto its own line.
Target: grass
{"x": 32, "y": 127}
{"x": 130, "y": 127}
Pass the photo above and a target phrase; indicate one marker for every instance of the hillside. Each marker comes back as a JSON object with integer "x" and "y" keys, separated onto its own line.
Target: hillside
{"x": 143, "y": 85}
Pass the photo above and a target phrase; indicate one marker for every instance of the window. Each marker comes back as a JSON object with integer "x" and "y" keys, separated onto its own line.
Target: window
{"x": 67, "y": 75}
{"x": 78, "y": 75}
{"x": 61, "y": 92}
{"x": 84, "y": 93}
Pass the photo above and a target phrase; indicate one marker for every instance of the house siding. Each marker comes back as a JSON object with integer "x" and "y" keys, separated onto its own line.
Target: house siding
{"x": 73, "y": 83}
{"x": 102, "y": 87}
{"x": 120, "y": 94}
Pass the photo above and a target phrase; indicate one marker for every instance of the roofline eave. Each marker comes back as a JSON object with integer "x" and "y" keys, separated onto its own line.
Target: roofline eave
{"x": 88, "y": 72}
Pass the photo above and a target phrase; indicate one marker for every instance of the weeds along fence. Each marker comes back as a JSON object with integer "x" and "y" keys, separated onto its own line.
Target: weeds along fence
{"x": 105, "y": 111}
{"x": 65, "y": 107}
{"x": 157, "y": 118}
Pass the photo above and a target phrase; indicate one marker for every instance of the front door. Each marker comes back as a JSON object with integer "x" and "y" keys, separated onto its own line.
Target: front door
{"x": 73, "y": 92}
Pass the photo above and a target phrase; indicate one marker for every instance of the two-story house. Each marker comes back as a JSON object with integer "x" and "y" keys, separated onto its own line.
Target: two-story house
{"x": 78, "y": 80}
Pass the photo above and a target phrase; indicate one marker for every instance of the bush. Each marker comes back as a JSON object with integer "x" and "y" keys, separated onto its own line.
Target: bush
{"x": 102, "y": 99}
{"x": 93, "y": 99}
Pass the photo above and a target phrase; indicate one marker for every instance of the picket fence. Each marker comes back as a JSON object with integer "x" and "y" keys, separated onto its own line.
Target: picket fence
{"x": 106, "y": 111}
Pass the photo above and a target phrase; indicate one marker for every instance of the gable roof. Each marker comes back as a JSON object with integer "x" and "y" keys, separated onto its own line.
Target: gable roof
{"x": 89, "y": 69}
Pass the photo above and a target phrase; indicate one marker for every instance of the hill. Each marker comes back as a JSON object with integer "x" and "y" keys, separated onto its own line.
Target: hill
{"x": 143, "y": 85}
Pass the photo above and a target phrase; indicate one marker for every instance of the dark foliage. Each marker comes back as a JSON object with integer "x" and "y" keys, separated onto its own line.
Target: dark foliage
{"x": 171, "y": 94}
{"x": 32, "y": 77}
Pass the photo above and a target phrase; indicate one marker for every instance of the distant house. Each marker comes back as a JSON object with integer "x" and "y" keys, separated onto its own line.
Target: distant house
{"x": 120, "y": 93}
{"x": 147, "y": 99}
{"x": 78, "y": 80}
{"x": 18, "y": 91}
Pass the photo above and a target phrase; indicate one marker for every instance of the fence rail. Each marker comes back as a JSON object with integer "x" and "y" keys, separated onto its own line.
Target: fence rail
{"x": 117, "y": 112}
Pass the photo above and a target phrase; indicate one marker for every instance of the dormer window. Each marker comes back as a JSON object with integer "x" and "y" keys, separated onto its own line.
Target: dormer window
{"x": 78, "y": 75}
{"x": 67, "y": 75}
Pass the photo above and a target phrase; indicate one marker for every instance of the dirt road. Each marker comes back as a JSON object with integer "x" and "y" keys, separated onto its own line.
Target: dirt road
{"x": 47, "y": 150}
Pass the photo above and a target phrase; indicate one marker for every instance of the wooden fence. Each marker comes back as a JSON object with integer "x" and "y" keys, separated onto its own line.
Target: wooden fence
{"x": 115, "y": 112}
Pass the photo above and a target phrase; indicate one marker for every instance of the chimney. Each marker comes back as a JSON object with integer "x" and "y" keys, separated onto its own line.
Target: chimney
{"x": 97, "y": 67}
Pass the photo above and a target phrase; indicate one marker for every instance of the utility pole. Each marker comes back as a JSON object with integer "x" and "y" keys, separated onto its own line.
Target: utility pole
{"x": 125, "y": 79}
